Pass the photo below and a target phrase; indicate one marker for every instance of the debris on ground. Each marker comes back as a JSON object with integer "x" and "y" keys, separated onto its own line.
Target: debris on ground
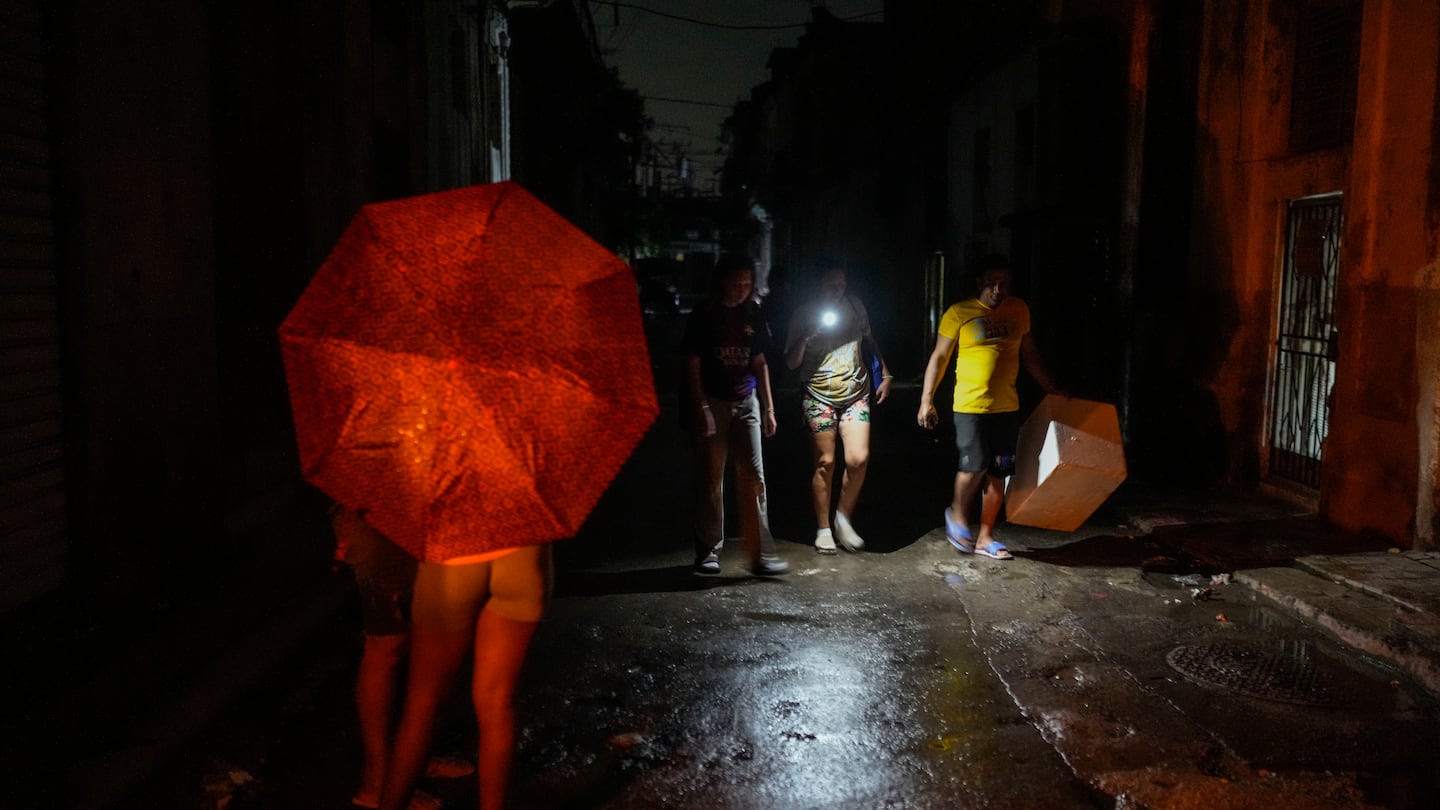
{"x": 626, "y": 741}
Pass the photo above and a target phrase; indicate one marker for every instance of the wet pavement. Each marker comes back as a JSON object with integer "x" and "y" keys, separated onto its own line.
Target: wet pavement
{"x": 1382, "y": 604}
{"x": 1170, "y": 700}
{"x": 1138, "y": 662}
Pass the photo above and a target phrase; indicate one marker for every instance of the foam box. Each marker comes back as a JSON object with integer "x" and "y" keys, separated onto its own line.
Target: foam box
{"x": 1068, "y": 460}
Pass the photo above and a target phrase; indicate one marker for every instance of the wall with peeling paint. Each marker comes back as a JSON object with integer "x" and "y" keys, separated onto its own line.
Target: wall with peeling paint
{"x": 1380, "y": 458}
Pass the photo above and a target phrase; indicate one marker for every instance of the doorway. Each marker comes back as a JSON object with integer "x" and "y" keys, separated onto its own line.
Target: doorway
{"x": 1306, "y": 340}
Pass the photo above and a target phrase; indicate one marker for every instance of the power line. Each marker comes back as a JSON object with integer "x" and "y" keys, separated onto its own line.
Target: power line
{"x": 728, "y": 26}
{"x": 689, "y": 101}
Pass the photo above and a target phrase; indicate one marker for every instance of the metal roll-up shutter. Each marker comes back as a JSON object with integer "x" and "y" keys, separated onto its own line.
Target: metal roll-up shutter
{"x": 32, "y": 469}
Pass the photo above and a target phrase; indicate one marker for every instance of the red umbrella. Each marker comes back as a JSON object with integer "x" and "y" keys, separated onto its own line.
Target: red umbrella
{"x": 468, "y": 368}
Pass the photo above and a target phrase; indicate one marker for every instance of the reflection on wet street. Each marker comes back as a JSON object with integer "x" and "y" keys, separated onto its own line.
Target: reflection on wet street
{"x": 909, "y": 676}
{"x": 1102, "y": 668}
{"x": 853, "y": 683}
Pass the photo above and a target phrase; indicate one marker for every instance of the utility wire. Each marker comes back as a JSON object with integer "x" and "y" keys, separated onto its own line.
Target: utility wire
{"x": 727, "y": 26}
{"x": 689, "y": 101}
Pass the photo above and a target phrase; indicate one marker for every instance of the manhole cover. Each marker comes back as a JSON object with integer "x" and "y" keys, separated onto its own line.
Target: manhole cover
{"x": 1286, "y": 675}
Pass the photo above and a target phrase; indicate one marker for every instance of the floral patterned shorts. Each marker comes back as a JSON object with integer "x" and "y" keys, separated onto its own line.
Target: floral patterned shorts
{"x": 822, "y": 418}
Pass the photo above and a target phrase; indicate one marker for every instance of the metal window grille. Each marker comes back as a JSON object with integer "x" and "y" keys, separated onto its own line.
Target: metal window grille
{"x": 1305, "y": 345}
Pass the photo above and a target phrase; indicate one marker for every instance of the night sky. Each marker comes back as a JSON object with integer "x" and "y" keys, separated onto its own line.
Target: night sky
{"x": 666, "y": 58}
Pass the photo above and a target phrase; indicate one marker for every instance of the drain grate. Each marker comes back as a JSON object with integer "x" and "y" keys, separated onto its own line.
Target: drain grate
{"x": 1287, "y": 675}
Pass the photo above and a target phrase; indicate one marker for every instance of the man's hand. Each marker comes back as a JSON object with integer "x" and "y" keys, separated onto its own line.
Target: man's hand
{"x": 928, "y": 418}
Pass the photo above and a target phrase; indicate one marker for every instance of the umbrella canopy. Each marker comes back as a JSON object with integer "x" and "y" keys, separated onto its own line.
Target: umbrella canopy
{"x": 468, "y": 368}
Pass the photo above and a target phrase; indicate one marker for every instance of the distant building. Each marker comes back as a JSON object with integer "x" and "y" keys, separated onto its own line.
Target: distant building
{"x": 810, "y": 156}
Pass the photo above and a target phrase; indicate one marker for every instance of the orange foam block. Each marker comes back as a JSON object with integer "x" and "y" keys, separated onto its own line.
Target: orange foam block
{"x": 1068, "y": 460}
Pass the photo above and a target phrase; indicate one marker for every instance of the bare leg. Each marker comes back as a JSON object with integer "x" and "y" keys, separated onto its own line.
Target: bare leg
{"x": 435, "y": 658}
{"x": 855, "y": 436}
{"x": 375, "y": 699}
{"x": 990, "y": 502}
{"x": 823, "y": 445}
{"x": 967, "y": 484}
{"x": 500, "y": 646}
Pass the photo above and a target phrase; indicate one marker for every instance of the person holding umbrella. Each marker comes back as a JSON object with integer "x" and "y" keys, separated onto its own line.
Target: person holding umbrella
{"x": 486, "y": 605}
{"x": 384, "y": 575}
{"x": 459, "y": 442}
{"x": 727, "y": 405}
{"x": 827, "y": 342}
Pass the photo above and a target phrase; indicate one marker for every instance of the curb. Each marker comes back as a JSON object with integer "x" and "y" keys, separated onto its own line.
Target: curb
{"x": 1359, "y": 619}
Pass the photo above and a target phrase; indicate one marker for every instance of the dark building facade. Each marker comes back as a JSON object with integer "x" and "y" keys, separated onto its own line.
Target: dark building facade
{"x": 170, "y": 178}
{"x": 1223, "y": 215}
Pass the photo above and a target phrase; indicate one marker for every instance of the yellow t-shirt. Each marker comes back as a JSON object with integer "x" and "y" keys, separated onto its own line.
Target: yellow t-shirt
{"x": 987, "y": 353}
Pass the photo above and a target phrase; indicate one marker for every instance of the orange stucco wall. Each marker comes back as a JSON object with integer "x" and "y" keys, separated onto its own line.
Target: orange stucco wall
{"x": 1381, "y": 454}
{"x": 1385, "y": 395}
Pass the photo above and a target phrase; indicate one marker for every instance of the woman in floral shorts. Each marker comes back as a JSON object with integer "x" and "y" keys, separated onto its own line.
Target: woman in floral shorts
{"x": 825, "y": 340}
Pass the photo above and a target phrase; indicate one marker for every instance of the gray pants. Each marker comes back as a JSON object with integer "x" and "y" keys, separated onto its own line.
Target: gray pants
{"x": 737, "y": 436}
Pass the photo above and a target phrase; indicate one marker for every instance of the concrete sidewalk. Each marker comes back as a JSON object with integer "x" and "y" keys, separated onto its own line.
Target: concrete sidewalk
{"x": 1385, "y": 605}
{"x": 1381, "y": 603}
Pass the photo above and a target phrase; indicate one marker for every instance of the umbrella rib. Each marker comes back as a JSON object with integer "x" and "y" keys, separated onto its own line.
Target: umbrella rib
{"x": 490, "y": 217}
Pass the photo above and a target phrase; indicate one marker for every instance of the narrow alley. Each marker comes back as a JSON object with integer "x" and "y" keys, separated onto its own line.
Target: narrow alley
{"x": 905, "y": 676}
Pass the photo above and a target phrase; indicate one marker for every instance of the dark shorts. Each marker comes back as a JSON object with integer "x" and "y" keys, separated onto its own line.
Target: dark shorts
{"x": 986, "y": 442}
{"x": 384, "y": 574}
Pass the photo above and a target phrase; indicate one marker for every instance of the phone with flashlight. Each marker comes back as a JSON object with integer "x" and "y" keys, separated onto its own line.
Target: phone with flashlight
{"x": 828, "y": 319}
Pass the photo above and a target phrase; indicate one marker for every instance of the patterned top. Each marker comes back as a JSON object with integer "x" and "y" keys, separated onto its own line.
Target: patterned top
{"x": 834, "y": 370}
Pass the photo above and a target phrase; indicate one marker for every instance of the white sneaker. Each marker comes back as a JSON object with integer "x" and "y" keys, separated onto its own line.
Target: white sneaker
{"x": 845, "y": 533}
{"x": 708, "y": 565}
{"x": 769, "y": 565}
{"x": 824, "y": 542}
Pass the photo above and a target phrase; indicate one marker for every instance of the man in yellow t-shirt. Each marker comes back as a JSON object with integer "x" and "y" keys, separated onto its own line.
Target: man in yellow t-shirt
{"x": 990, "y": 335}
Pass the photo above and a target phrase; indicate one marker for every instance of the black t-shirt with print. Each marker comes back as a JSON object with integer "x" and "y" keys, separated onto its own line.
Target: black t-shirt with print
{"x": 725, "y": 339}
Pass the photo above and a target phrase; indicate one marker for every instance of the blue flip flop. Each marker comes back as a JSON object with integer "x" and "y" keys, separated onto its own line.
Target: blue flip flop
{"x": 959, "y": 536}
{"x": 995, "y": 550}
